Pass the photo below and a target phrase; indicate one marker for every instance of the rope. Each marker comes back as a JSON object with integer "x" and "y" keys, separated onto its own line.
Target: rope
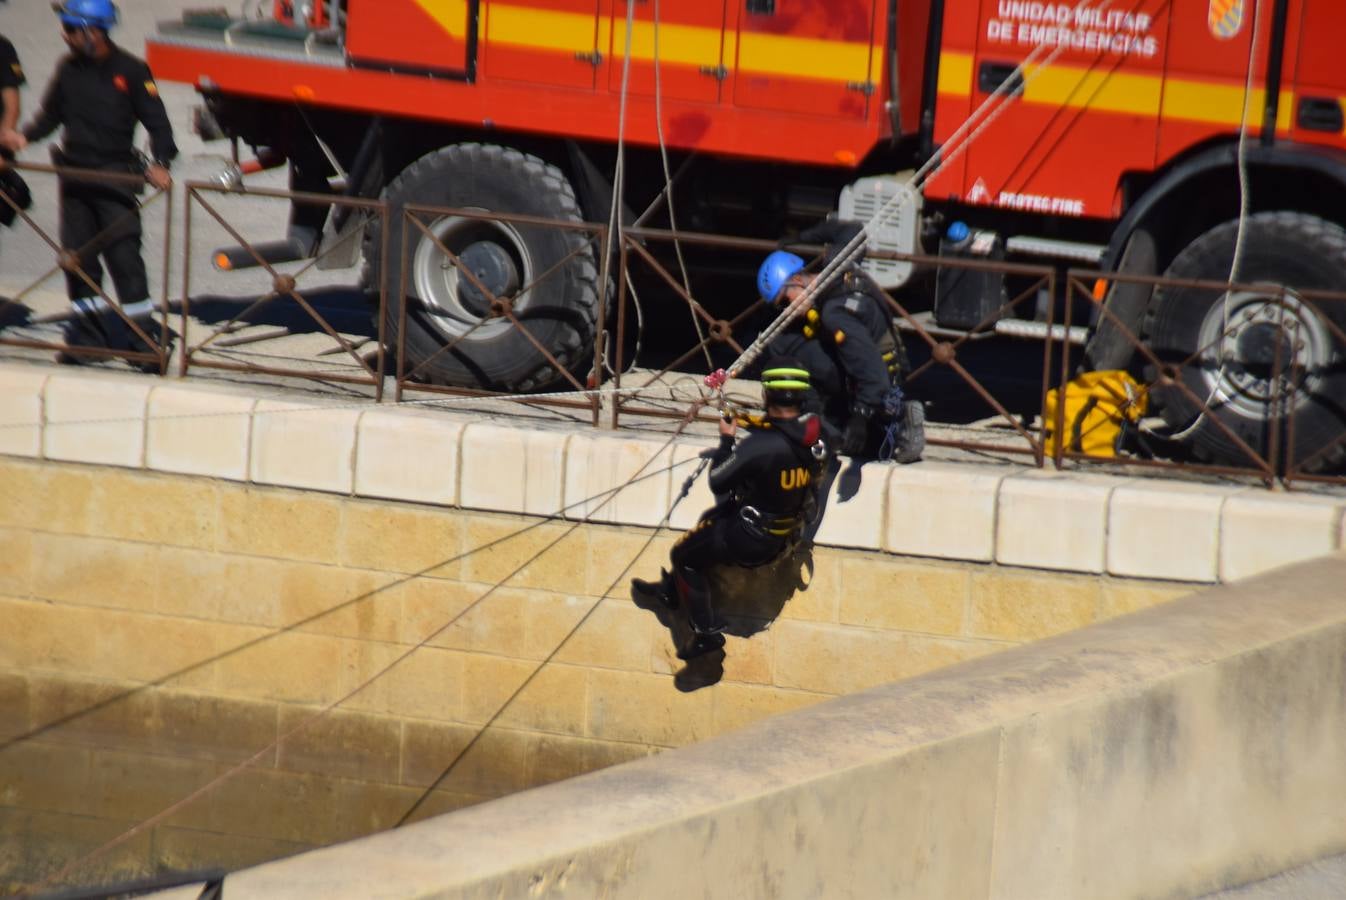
{"x": 458, "y": 757}
{"x": 668, "y": 193}
{"x": 890, "y": 207}
{"x": 362, "y": 404}
{"x": 1245, "y": 209}
{"x": 220, "y": 779}
{"x": 615, "y": 224}
{"x": 322, "y": 614}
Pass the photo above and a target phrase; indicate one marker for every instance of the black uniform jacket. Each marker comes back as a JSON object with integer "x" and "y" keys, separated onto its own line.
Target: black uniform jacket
{"x": 11, "y": 73}
{"x": 99, "y": 104}
{"x": 853, "y": 319}
{"x": 774, "y": 469}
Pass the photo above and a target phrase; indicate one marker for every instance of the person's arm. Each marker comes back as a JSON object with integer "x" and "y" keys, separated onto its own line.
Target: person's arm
{"x": 860, "y": 355}
{"x": 9, "y": 99}
{"x": 730, "y": 463}
{"x": 149, "y": 108}
{"x": 50, "y": 115}
{"x": 834, "y": 233}
{"x": 11, "y": 79}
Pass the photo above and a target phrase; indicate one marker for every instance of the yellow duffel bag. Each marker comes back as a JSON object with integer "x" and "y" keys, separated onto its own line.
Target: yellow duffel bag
{"x": 1098, "y": 406}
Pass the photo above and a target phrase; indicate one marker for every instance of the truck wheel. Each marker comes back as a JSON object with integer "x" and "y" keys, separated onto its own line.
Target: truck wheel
{"x": 443, "y": 305}
{"x": 1236, "y": 366}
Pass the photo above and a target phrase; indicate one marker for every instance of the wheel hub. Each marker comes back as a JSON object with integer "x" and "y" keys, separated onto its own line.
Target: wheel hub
{"x": 493, "y": 268}
{"x": 496, "y": 256}
{"x": 1260, "y": 349}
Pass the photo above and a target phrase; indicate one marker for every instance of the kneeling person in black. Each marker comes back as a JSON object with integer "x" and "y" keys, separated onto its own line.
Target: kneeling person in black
{"x": 845, "y": 338}
{"x": 766, "y": 488}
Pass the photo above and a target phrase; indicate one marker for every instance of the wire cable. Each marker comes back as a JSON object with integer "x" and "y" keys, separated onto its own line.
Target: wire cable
{"x": 220, "y": 779}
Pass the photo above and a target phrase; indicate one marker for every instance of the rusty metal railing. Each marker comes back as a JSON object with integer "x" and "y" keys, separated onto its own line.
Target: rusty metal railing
{"x": 1294, "y": 448}
{"x": 75, "y": 264}
{"x": 944, "y": 345}
{"x": 1242, "y": 422}
{"x": 284, "y": 288}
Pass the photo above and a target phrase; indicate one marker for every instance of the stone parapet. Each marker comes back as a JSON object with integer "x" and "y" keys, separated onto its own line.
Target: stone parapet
{"x": 1188, "y": 748}
{"x": 1054, "y": 521}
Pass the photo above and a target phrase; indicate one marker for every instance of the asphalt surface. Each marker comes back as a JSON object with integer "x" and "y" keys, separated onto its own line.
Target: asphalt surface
{"x": 1321, "y": 880}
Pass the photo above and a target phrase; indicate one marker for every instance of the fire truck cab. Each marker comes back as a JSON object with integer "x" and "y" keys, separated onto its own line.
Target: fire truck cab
{"x": 1148, "y": 138}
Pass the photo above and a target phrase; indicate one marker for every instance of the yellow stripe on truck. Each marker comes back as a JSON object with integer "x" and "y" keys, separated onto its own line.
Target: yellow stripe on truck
{"x": 687, "y": 44}
{"x": 451, "y": 15}
{"x": 1075, "y": 87}
{"x": 955, "y": 74}
{"x": 803, "y": 57}
{"x": 1078, "y": 87}
{"x": 566, "y": 32}
{"x": 1221, "y": 104}
{"x": 545, "y": 29}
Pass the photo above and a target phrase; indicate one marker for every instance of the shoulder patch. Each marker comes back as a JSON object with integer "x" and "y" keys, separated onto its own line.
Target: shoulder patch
{"x": 151, "y": 88}
{"x": 16, "y": 69}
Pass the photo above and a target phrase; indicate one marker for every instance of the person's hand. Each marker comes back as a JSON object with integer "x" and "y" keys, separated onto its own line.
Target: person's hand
{"x": 728, "y": 427}
{"x": 158, "y": 176}
{"x": 12, "y": 140}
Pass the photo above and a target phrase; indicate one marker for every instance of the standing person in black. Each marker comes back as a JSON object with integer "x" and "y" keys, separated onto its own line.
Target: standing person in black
{"x": 11, "y": 79}
{"x": 766, "y": 489}
{"x": 98, "y": 95}
{"x": 845, "y": 339}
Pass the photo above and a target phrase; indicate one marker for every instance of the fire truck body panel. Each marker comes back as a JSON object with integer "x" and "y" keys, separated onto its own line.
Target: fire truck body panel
{"x": 803, "y": 87}
{"x": 1118, "y": 144}
{"x": 1171, "y": 78}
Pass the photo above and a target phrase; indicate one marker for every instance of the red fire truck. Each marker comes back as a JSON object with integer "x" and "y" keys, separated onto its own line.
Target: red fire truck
{"x": 1119, "y": 147}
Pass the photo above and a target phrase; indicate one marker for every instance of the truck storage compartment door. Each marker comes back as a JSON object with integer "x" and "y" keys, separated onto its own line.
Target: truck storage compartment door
{"x": 808, "y": 56}
{"x": 1315, "y": 80}
{"x": 1086, "y": 105}
{"x": 691, "y": 46}
{"x": 1207, "y": 72}
{"x": 410, "y": 35}
{"x": 542, "y": 41}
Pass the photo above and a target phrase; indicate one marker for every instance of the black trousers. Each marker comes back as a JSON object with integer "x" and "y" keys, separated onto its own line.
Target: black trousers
{"x": 101, "y": 220}
{"x": 721, "y": 537}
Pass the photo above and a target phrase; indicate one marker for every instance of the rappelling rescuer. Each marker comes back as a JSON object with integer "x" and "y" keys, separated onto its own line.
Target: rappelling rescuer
{"x": 765, "y": 487}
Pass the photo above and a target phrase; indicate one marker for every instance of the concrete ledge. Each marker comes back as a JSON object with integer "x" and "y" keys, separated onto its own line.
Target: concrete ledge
{"x": 1183, "y": 749}
{"x": 21, "y": 411}
{"x": 1054, "y": 521}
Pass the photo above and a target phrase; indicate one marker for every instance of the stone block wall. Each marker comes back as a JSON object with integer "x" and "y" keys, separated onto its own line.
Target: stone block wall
{"x": 160, "y": 629}
{"x": 214, "y": 565}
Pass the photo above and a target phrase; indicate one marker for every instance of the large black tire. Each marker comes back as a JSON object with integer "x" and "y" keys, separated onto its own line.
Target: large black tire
{"x": 1238, "y": 370}
{"x": 559, "y": 311}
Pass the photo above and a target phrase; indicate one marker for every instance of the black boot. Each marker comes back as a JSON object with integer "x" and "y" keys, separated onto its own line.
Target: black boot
{"x": 910, "y": 443}
{"x": 706, "y": 625}
{"x": 83, "y": 329}
{"x": 661, "y": 590}
{"x": 699, "y": 643}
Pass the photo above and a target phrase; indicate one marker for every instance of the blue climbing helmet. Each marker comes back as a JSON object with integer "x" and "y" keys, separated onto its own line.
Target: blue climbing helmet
{"x": 778, "y": 268}
{"x": 87, "y": 13}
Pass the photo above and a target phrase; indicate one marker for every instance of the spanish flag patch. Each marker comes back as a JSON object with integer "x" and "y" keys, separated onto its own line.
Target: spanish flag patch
{"x": 151, "y": 88}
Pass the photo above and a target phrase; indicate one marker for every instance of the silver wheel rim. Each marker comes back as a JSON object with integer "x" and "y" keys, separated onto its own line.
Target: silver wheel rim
{"x": 439, "y": 283}
{"x": 1237, "y": 364}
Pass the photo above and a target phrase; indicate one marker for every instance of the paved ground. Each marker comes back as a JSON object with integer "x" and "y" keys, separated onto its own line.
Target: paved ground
{"x": 1322, "y": 880}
